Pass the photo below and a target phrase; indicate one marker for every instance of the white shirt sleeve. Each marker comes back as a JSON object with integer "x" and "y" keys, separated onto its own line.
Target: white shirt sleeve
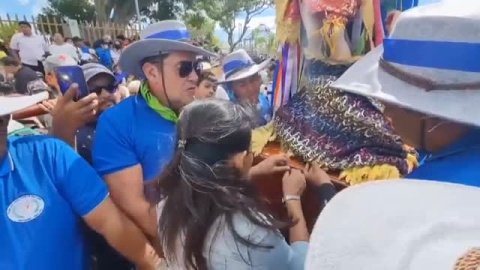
{"x": 14, "y": 42}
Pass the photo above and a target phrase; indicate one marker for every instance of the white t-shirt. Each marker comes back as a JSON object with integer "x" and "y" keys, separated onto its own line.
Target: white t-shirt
{"x": 65, "y": 48}
{"x": 31, "y": 48}
{"x": 221, "y": 93}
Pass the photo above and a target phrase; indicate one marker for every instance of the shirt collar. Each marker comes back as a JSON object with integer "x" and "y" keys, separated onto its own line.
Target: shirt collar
{"x": 468, "y": 141}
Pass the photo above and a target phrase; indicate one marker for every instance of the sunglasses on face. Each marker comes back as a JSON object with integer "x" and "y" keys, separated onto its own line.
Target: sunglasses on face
{"x": 98, "y": 89}
{"x": 187, "y": 67}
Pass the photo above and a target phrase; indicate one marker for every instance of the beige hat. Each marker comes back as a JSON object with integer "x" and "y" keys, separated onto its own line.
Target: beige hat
{"x": 58, "y": 60}
{"x": 429, "y": 64}
{"x": 396, "y": 225}
{"x": 11, "y": 104}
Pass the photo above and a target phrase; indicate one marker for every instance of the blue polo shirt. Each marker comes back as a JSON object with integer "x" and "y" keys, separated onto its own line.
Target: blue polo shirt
{"x": 46, "y": 188}
{"x": 132, "y": 133}
{"x": 457, "y": 163}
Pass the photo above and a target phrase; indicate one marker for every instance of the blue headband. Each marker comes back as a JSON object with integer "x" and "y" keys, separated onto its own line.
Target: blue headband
{"x": 235, "y": 65}
{"x": 171, "y": 34}
{"x": 459, "y": 56}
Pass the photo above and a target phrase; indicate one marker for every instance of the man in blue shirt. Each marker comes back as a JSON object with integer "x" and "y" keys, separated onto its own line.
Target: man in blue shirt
{"x": 432, "y": 93}
{"x": 136, "y": 139}
{"x": 47, "y": 193}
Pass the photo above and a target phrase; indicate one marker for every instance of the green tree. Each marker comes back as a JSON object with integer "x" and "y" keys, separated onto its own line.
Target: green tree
{"x": 202, "y": 28}
{"x": 80, "y": 10}
{"x": 7, "y": 30}
{"x": 225, "y": 13}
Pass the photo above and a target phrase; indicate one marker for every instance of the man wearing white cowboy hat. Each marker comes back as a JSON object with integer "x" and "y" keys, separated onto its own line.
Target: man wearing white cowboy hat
{"x": 244, "y": 83}
{"x": 47, "y": 193}
{"x": 136, "y": 139}
{"x": 428, "y": 74}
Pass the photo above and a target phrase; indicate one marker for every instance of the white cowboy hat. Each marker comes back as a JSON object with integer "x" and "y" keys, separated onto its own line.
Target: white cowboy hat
{"x": 437, "y": 43}
{"x": 155, "y": 39}
{"x": 396, "y": 225}
{"x": 12, "y": 104}
{"x": 239, "y": 65}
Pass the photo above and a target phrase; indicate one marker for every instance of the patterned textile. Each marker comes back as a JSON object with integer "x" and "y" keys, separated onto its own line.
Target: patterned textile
{"x": 338, "y": 130}
{"x": 288, "y": 21}
{"x": 339, "y": 9}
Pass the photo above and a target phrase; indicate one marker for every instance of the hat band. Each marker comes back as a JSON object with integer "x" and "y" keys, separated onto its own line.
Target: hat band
{"x": 171, "y": 34}
{"x": 459, "y": 56}
{"x": 234, "y": 66}
{"x": 423, "y": 82}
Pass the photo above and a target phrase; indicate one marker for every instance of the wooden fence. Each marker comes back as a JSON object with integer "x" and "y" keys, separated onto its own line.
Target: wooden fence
{"x": 48, "y": 26}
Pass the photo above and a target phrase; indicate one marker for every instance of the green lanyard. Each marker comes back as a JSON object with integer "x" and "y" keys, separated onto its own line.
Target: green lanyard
{"x": 156, "y": 105}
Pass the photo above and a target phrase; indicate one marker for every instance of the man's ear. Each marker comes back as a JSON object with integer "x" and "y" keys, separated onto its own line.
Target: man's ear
{"x": 150, "y": 71}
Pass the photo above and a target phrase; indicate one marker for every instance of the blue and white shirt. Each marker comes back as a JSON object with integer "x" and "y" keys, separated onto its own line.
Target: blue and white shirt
{"x": 46, "y": 190}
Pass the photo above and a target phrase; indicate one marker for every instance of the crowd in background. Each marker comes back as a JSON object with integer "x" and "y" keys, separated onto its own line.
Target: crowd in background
{"x": 155, "y": 161}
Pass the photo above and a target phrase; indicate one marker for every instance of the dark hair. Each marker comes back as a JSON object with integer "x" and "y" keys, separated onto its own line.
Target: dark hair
{"x": 98, "y": 43}
{"x": 9, "y": 61}
{"x": 206, "y": 75}
{"x": 198, "y": 186}
{"x": 20, "y": 23}
{"x": 121, "y": 37}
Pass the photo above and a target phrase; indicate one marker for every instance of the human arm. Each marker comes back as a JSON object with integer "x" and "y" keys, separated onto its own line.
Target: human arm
{"x": 294, "y": 184}
{"x": 127, "y": 191}
{"x": 122, "y": 234}
{"x": 115, "y": 158}
{"x": 319, "y": 178}
{"x": 69, "y": 115}
{"x": 271, "y": 165}
{"x": 15, "y": 47}
{"x": 87, "y": 194}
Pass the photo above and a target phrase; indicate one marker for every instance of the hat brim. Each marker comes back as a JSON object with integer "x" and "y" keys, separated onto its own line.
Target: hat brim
{"x": 366, "y": 78}
{"x": 405, "y": 224}
{"x": 245, "y": 73}
{"x": 12, "y": 104}
{"x": 131, "y": 58}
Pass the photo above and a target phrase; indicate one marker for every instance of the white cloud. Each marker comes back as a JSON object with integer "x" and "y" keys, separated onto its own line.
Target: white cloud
{"x": 38, "y": 6}
{"x": 23, "y": 2}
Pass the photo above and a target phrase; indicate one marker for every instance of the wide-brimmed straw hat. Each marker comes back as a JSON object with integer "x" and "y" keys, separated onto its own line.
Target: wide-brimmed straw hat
{"x": 429, "y": 64}
{"x": 239, "y": 65}
{"x": 12, "y": 104}
{"x": 397, "y": 225}
{"x": 155, "y": 39}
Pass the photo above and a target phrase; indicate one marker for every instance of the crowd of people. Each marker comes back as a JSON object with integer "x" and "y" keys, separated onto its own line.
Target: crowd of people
{"x": 158, "y": 170}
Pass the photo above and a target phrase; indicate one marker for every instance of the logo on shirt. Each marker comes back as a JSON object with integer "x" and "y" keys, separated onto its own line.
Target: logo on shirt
{"x": 25, "y": 208}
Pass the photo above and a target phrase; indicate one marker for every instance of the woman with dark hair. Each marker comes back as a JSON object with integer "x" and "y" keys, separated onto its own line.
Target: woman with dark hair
{"x": 210, "y": 215}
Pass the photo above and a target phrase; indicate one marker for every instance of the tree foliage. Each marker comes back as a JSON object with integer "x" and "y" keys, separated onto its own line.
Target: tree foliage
{"x": 225, "y": 13}
{"x": 80, "y": 10}
{"x": 7, "y": 30}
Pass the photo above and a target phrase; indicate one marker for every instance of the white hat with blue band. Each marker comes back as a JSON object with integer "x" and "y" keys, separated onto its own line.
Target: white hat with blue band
{"x": 429, "y": 64}
{"x": 158, "y": 38}
{"x": 239, "y": 65}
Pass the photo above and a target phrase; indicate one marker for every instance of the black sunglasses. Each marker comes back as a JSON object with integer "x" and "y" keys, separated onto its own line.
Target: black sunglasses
{"x": 187, "y": 67}
{"x": 98, "y": 89}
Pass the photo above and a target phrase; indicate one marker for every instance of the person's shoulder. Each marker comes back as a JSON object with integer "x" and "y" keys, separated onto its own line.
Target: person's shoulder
{"x": 17, "y": 35}
{"x": 123, "y": 109}
{"x": 38, "y": 143}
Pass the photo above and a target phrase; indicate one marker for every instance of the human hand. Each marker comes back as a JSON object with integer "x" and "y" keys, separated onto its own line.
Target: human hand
{"x": 271, "y": 165}
{"x": 48, "y": 105}
{"x": 69, "y": 115}
{"x": 293, "y": 183}
{"x": 315, "y": 175}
